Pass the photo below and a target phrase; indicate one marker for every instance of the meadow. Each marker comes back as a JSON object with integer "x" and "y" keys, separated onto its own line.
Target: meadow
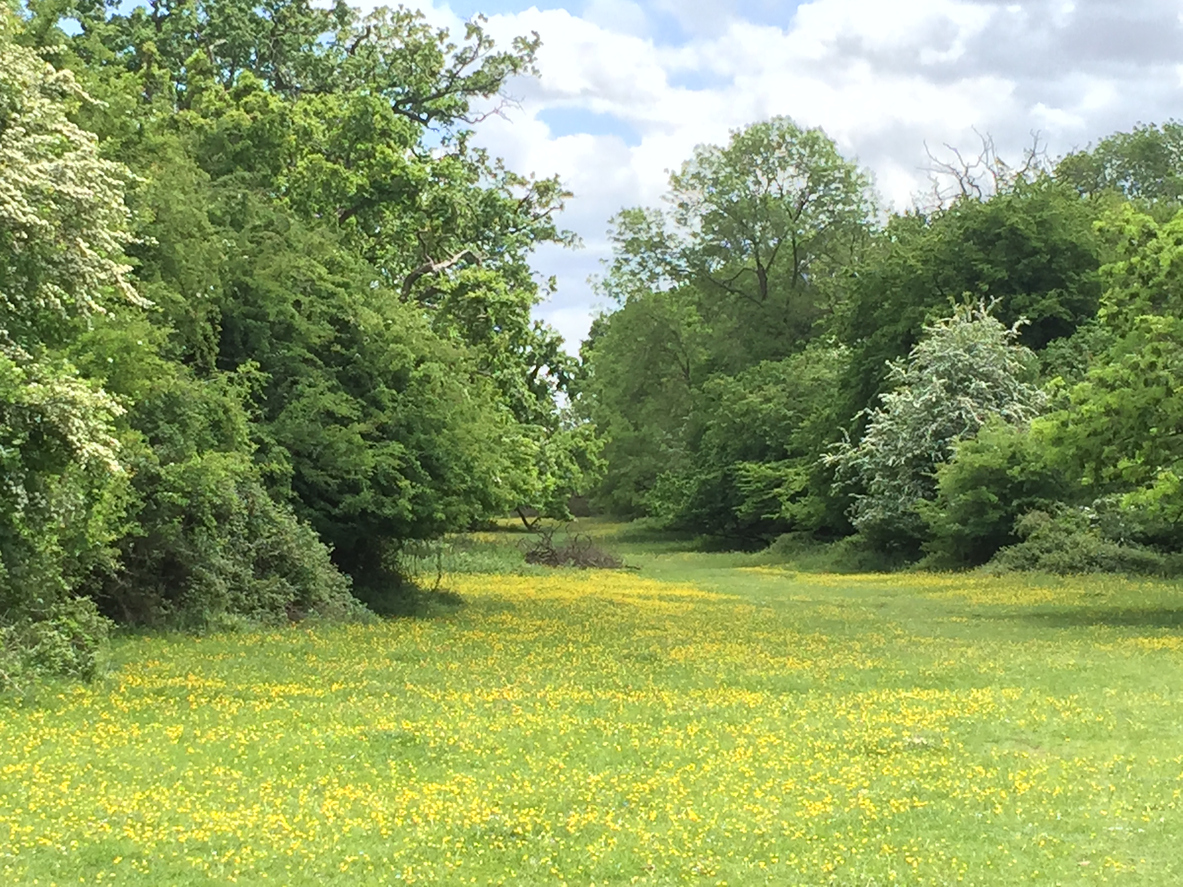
{"x": 701, "y": 719}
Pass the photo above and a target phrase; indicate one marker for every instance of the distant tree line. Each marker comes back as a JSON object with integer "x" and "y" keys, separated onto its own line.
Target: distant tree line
{"x": 265, "y": 314}
{"x": 266, "y": 319}
{"x": 996, "y": 377}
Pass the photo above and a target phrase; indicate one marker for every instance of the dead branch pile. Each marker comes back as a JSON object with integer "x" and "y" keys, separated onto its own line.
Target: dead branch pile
{"x": 577, "y": 550}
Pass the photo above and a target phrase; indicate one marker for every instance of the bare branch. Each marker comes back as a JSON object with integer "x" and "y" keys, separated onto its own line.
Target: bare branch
{"x": 430, "y": 267}
{"x": 982, "y": 175}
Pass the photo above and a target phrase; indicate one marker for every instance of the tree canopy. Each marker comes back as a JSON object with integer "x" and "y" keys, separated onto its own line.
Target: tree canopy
{"x": 783, "y": 358}
{"x": 265, "y": 313}
{"x": 723, "y": 290}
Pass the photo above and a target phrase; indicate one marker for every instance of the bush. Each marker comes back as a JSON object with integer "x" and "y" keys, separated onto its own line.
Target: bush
{"x": 967, "y": 368}
{"x": 210, "y": 545}
{"x": 982, "y": 491}
{"x": 203, "y": 543}
{"x": 63, "y": 640}
{"x": 62, "y": 489}
{"x": 1070, "y": 541}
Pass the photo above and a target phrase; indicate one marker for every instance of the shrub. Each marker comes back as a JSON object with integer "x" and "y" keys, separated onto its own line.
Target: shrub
{"x": 966, "y": 368}
{"x": 982, "y": 491}
{"x": 1070, "y": 541}
{"x": 62, "y": 489}
{"x": 62, "y": 640}
{"x": 210, "y": 543}
{"x": 854, "y": 554}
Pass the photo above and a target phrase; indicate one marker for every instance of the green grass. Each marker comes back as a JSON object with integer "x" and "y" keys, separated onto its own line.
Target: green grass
{"x": 705, "y": 719}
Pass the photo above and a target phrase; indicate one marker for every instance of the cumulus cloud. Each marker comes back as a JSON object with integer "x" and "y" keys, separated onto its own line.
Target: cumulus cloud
{"x": 882, "y": 77}
{"x": 617, "y": 15}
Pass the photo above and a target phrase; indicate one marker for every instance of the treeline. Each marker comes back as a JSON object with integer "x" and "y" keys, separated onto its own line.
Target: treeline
{"x": 265, "y": 314}
{"x": 997, "y": 378}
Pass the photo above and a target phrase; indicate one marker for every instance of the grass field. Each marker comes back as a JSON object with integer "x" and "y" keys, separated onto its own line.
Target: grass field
{"x": 704, "y": 720}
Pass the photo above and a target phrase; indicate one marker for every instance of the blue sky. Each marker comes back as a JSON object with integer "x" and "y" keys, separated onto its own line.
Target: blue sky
{"x": 627, "y": 88}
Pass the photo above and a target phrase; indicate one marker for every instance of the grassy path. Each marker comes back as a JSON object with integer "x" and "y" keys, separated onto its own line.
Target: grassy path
{"x": 703, "y": 722}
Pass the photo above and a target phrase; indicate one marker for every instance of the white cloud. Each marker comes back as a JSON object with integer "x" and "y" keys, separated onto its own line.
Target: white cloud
{"x": 894, "y": 27}
{"x": 622, "y": 16}
{"x": 698, "y": 16}
{"x": 883, "y": 77}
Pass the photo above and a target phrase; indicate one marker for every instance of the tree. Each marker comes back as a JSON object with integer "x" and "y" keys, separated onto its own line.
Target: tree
{"x": 63, "y": 224}
{"x": 1120, "y": 430}
{"x": 752, "y": 469}
{"x": 1031, "y": 249}
{"x": 756, "y": 233}
{"x": 769, "y": 211}
{"x": 1145, "y": 164}
{"x": 642, "y": 367}
{"x": 315, "y": 220}
{"x": 966, "y": 369}
{"x": 128, "y": 480}
{"x": 735, "y": 274}
{"x": 526, "y": 362}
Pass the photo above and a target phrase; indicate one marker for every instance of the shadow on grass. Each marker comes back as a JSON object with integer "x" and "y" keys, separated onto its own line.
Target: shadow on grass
{"x": 509, "y": 526}
{"x": 1124, "y": 617}
{"x": 409, "y": 601}
{"x": 660, "y": 539}
{"x": 640, "y": 533}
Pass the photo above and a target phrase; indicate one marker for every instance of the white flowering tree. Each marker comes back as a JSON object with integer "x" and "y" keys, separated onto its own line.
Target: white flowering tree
{"x": 967, "y": 368}
{"x": 63, "y": 224}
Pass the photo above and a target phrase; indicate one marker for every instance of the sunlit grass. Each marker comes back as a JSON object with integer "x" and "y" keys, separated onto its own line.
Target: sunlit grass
{"x": 701, "y": 722}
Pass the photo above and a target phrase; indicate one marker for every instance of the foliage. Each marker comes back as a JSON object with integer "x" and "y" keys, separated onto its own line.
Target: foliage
{"x": 966, "y": 369}
{"x": 698, "y": 380}
{"x": 764, "y": 221}
{"x": 753, "y": 440}
{"x": 567, "y": 463}
{"x": 1145, "y": 164}
{"x": 1030, "y": 249}
{"x": 202, "y": 543}
{"x": 62, "y": 639}
{"x": 1067, "y": 360}
{"x": 265, "y": 313}
{"x": 63, "y": 224}
{"x": 757, "y": 233}
{"x": 63, "y": 487}
{"x": 705, "y": 380}
{"x": 989, "y": 482}
{"x": 1118, "y": 425}
{"x": 209, "y": 545}
{"x": 1117, "y": 428}
{"x": 313, "y": 217}
{"x": 386, "y": 429}
{"x": 1070, "y": 541}
{"x": 642, "y": 365}
{"x": 1110, "y": 446}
